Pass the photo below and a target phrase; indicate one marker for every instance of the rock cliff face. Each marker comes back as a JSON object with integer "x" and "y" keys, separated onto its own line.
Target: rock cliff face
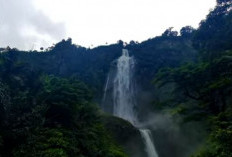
{"x": 126, "y": 135}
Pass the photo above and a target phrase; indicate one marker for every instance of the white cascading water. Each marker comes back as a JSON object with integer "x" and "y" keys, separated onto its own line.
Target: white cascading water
{"x": 147, "y": 137}
{"x": 123, "y": 94}
{"x": 106, "y": 87}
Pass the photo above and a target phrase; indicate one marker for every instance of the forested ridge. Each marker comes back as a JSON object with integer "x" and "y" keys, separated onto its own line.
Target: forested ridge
{"x": 50, "y": 100}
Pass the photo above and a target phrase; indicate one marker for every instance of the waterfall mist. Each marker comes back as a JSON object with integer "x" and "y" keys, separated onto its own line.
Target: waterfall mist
{"x": 173, "y": 136}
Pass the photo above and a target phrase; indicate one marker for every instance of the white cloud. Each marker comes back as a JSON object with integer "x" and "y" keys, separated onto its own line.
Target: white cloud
{"x": 99, "y": 21}
{"x": 24, "y": 27}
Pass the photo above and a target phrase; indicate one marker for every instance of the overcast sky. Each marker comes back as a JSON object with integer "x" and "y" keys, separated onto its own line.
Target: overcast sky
{"x": 30, "y": 24}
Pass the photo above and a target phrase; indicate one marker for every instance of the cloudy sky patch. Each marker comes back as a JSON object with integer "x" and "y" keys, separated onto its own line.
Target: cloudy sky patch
{"x": 28, "y": 24}
{"x": 25, "y": 27}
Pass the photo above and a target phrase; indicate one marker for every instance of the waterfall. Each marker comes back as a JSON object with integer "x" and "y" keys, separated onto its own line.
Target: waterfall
{"x": 147, "y": 137}
{"x": 123, "y": 92}
{"x": 106, "y": 87}
{"x": 124, "y": 98}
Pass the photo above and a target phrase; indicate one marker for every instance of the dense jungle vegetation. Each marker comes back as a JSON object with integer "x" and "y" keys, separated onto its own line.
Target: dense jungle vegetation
{"x": 50, "y": 99}
{"x": 207, "y": 83}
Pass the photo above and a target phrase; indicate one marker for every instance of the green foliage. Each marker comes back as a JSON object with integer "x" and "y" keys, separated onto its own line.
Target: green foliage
{"x": 220, "y": 140}
{"x": 92, "y": 141}
{"x": 47, "y": 143}
{"x": 208, "y": 83}
{"x": 206, "y": 86}
{"x": 170, "y": 33}
{"x": 69, "y": 60}
{"x": 67, "y": 102}
{"x": 52, "y": 114}
{"x": 95, "y": 141}
{"x": 187, "y": 31}
{"x": 49, "y": 116}
{"x": 4, "y": 102}
{"x": 214, "y": 34}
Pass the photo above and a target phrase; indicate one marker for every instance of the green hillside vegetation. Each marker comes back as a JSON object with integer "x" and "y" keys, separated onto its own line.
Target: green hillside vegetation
{"x": 50, "y": 99}
{"x": 44, "y": 115}
{"x": 208, "y": 82}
